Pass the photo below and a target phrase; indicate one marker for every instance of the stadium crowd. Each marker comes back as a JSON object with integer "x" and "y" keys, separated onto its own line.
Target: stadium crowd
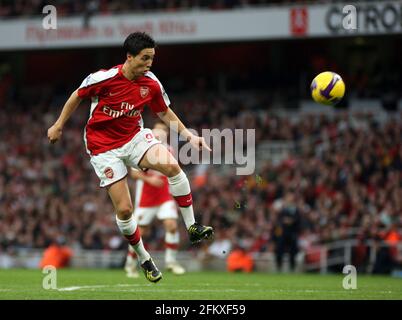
{"x": 342, "y": 180}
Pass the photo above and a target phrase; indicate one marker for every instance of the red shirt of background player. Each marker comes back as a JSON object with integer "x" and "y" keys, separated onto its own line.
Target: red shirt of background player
{"x": 151, "y": 196}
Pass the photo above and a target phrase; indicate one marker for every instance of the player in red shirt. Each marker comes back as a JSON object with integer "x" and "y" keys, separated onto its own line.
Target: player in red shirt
{"x": 115, "y": 139}
{"x": 153, "y": 198}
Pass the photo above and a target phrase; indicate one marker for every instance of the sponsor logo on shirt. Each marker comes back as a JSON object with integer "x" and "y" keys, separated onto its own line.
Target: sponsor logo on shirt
{"x": 126, "y": 109}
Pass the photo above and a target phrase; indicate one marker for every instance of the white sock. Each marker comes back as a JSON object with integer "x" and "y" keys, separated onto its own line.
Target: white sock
{"x": 130, "y": 231}
{"x": 142, "y": 254}
{"x": 180, "y": 187}
{"x": 130, "y": 249}
{"x": 172, "y": 244}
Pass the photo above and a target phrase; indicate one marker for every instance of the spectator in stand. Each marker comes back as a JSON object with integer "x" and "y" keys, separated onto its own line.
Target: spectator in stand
{"x": 286, "y": 231}
{"x": 57, "y": 255}
{"x": 240, "y": 260}
{"x": 387, "y": 257}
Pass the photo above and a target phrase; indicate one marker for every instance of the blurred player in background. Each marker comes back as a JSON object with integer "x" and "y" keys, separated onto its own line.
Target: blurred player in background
{"x": 115, "y": 139}
{"x": 152, "y": 199}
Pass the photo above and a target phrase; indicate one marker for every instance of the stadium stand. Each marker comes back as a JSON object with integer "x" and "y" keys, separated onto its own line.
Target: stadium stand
{"x": 344, "y": 172}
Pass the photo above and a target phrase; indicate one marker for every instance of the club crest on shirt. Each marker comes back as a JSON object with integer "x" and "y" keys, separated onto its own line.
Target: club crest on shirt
{"x": 109, "y": 173}
{"x": 144, "y": 91}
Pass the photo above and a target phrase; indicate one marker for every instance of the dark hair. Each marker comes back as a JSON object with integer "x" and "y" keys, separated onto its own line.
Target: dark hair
{"x": 138, "y": 41}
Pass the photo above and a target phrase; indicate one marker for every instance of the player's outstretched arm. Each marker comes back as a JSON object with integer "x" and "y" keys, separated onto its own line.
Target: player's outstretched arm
{"x": 170, "y": 118}
{"x": 55, "y": 131}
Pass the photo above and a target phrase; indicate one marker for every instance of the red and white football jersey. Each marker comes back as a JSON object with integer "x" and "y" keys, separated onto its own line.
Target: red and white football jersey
{"x": 150, "y": 196}
{"x": 117, "y": 104}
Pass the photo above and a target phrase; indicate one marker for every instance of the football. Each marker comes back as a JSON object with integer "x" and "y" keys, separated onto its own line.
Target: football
{"x": 327, "y": 88}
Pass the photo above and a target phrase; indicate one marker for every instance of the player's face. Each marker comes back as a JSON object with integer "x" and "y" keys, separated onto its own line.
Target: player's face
{"x": 142, "y": 62}
{"x": 161, "y": 132}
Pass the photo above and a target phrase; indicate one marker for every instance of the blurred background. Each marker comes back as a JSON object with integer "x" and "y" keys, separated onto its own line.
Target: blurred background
{"x": 327, "y": 190}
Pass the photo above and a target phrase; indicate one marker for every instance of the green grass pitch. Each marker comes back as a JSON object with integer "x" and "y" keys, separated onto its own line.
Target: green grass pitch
{"x": 113, "y": 284}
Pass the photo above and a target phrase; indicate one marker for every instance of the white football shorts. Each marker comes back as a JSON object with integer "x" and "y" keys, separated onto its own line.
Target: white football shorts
{"x": 111, "y": 166}
{"x": 145, "y": 215}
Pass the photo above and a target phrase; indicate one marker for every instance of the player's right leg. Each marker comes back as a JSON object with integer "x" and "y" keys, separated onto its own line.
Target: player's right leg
{"x": 131, "y": 264}
{"x": 120, "y": 196}
{"x": 143, "y": 217}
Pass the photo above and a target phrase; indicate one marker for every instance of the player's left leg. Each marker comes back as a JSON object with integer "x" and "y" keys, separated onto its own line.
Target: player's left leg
{"x": 160, "y": 159}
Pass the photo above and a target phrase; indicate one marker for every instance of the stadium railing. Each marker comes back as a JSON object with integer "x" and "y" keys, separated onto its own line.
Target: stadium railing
{"x": 340, "y": 253}
{"x": 328, "y": 258}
